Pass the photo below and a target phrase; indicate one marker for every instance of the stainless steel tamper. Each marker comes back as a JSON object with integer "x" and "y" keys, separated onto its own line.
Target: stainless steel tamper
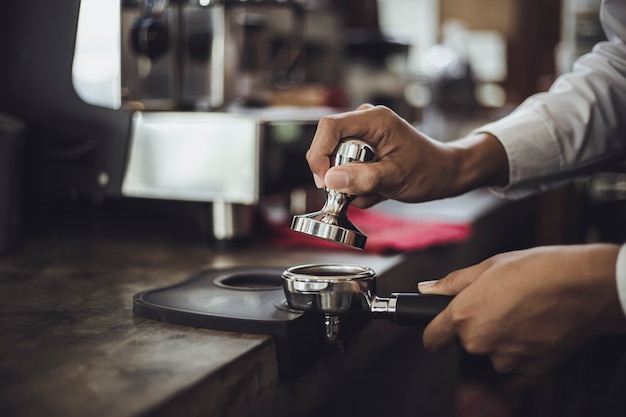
{"x": 332, "y": 223}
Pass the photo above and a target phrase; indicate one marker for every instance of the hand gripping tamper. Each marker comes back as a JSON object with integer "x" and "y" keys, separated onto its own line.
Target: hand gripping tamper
{"x": 332, "y": 223}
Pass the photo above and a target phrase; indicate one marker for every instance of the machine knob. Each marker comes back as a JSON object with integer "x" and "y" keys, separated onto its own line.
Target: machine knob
{"x": 150, "y": 37}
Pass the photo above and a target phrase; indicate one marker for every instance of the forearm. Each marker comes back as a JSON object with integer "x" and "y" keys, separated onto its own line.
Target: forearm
{"x": 575, "y": 129}
{"x": 478, "y": 160}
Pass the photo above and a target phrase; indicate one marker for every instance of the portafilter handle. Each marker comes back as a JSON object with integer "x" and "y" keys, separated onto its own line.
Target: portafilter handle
{"x": 410, "y": 309}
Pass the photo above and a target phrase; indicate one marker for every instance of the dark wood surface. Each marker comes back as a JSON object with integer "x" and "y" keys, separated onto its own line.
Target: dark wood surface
{"x": 71, "y": 345}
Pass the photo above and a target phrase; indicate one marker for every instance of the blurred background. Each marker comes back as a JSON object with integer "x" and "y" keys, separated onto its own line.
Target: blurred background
{"x": 103, "y": 101}
{"x": 189, "y": 120}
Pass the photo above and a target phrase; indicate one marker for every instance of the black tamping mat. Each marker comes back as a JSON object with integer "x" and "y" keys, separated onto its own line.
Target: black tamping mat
{"x": 241, "y": 299}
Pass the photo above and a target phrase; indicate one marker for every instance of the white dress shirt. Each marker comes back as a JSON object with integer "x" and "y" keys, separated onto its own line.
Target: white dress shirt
{"x": 577, "y": 127}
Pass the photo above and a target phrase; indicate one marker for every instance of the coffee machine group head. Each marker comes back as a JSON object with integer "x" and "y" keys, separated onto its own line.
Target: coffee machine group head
{"x": 332, "y": 223}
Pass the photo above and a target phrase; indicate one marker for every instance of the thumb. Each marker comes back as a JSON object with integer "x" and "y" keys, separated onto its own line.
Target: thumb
{"x": 353, "y": 178}
{"x": 454, "y": 282}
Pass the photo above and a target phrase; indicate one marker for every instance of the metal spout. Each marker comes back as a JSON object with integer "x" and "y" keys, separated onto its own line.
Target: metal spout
{"x": 331, "y": 324}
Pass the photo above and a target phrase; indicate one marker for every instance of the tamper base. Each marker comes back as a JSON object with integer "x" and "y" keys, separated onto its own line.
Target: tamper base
{"x": 325, "y": 226}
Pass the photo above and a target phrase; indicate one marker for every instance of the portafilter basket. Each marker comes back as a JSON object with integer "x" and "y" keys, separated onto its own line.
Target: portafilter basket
{"x": 331, "y": 290}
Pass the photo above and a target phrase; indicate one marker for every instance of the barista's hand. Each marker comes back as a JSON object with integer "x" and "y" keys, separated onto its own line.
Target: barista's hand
{"x": 527, "y": 310}
{"x": 409, "y": 166}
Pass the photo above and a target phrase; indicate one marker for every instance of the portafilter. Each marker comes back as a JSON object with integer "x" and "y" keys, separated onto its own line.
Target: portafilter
{"x": 332, "y": 290}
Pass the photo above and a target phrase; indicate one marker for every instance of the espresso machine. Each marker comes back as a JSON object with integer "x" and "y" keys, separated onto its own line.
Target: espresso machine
{"x": 160, "y": 99}
{"x": 208, "y": 55}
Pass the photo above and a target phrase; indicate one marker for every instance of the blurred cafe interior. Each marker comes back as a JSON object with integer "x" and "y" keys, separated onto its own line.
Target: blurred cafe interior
{"x": 152, "y": 158}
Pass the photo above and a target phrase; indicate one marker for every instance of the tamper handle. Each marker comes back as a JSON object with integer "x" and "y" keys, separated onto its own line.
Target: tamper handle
{"x": 348, "y": 151}
{"x": 353, "y": 150}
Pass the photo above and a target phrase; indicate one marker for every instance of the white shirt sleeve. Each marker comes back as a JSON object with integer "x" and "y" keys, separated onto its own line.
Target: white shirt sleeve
{"x": 575, "y": 128}
{"x": 620, "y": 273}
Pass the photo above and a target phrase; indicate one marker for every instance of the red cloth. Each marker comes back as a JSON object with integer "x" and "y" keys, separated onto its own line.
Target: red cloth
{"x": 384, "y": 233}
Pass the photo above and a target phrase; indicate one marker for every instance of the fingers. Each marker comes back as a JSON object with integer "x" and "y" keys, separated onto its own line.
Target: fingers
{"x": 504, "y": 364}
{"x": 330, "y": 130}
{"x": 454, "y": 282}
{"x": 367, "y": 200}
{"x": 440, "y": 332}
{"x": 353, "y": 179}
{"x": 380, "y": 177}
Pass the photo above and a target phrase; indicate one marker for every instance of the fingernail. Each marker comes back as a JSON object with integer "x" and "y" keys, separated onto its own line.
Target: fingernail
{"x": 425, "y": 285}
{"x": 318, "y": 181}
{"x": 337, "y": 179}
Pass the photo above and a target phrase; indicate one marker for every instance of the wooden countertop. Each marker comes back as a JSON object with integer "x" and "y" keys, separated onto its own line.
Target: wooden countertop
{"x": 71, "y": 345}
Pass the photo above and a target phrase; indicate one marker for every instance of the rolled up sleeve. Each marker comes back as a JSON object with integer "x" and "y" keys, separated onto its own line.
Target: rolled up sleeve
{"x": 578, "y": 126}
{"x": 620, "y": 273}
